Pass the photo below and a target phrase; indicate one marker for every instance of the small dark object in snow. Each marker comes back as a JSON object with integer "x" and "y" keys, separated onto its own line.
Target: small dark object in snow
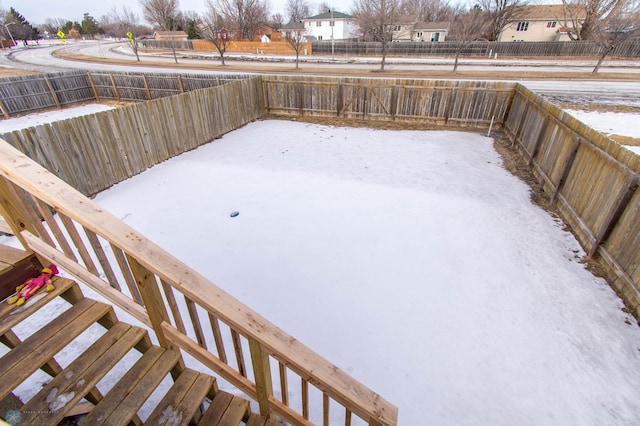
{"x": 234, "y": 214}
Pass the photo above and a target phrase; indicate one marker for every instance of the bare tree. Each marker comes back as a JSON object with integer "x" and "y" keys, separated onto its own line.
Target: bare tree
{"x": 294, "y": 35}
{"x": 124, "y": 23}
{"x": 619, "y": 26}
{"x": 277, "y": 21}
{"x": 162, "y": 14}
{"x": 428, "y": 10}
{"x": 586, "y": 15}
{"x": 499, "y": 14}
{"x": 212, "y": 28}
{"x": 466, "y": 28}
{"x": 297, "y": 10}
{"x": 245, "y": 16}
{"x": 375, "y": 19}
{"x": 324, "y": 7}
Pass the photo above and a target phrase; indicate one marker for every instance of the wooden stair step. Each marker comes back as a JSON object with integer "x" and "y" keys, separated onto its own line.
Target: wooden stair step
{"x": 226, "y": 410}
{"x": 43, "y": 345}
{"x": 11, "y": 315}
{"x": 257, "y": 420}
{"x": 60, "y": 395}
{"x": 183, "y": 400}
{"x": 123, "y": 401}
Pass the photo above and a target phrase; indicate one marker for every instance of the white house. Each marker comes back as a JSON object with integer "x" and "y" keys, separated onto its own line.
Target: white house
{"x": 330, "y": 25}
{"x": 547, "y": 22}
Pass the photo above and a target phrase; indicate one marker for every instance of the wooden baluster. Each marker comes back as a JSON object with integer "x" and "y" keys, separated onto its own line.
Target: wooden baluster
{"x": 262, "y": 374}
{"x": 45, "y": 211}
{"x": 217, "y": 337}
{"x": 173, "y": 305}
{"x": 284, "y": 387}
{"x": 102, "y": 258}
{"x": 237, "y": 347}
{"x": 305, "y": 399}
{"x": 325, "y": 409}
{"x": 347, "y": 417}
{"x": 195, "y": 321}
{"x": 77, "y": 241}
{"x": 126, "y": 273}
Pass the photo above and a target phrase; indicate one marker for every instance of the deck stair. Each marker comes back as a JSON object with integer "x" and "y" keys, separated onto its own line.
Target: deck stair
{"x": 73, "y": 388}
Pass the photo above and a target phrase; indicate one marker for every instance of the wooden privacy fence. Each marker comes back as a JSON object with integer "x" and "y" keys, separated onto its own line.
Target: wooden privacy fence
{"x": 30, "y": 93}
{"x": 592, "y": 179}
{"x": 185, "y": 310}
{"x": 449, "y": 103}
{"x": 629, "y": 49}
{"x": 93, "y": 152}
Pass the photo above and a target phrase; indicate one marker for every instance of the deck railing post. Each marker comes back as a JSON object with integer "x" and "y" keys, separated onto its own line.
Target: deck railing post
{"x": 262, "y": 374}
{"x": 14, "y": 213}
{"x": 153, "y": 302}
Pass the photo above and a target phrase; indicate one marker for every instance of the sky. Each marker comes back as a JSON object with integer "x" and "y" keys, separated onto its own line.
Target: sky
{"x": 413, "y": 260}
{"x": 37, "y": 11}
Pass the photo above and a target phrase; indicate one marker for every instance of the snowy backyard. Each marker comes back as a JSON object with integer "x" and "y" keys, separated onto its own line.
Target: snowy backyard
{"x": 413, "y": 260}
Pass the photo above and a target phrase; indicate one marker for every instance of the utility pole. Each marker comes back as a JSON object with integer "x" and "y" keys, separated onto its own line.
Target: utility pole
{"x": 6, "y": 26}
{"x": 332, "y": 24}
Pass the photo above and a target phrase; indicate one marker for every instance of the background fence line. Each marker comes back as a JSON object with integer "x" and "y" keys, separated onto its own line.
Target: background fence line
{"x": 629, "y": 49}
{"x": 591, "y": 179}
{"x": 24, "y": 94}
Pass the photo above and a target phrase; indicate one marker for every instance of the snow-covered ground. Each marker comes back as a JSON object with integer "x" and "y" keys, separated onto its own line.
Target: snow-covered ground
{"x": 411, "y": 259}
{"x": 31, "y": 120}
{"x": 612, "y": 123}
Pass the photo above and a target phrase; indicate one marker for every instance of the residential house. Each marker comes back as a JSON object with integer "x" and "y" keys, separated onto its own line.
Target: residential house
{"x": 430, "y": 31}
{"x": 547, "y": 22}
{"x": 292, "y": 29}
{"x": 330, "y": 25}
{"x": 407, "y": 28}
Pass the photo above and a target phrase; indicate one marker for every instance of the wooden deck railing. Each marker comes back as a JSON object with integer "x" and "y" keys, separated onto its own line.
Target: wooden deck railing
{"x": 184, "y": 309}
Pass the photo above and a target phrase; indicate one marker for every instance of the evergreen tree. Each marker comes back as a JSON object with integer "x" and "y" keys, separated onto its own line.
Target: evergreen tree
{"x": 90, "y": 26}
{"x": 21, "y": 28}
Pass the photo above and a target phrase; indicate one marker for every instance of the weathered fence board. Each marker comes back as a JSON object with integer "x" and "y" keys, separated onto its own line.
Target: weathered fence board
{"x": 455, "y": 103}
{"x": 39, "y": 91}
{"x": 593, "y": 180}
{"x": 94, "y": 152}
{"x": 630, "y": 49}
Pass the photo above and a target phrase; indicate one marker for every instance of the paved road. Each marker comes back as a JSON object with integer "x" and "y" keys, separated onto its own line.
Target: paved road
{"x": 40, "y": 58}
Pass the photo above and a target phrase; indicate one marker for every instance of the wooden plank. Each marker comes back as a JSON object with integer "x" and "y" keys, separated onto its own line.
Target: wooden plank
{"x": 217, "y": 408}
{"x": 41, "y": 346}
{"x": 126, "y": 397}
{"x": 11, "y": 315}
{"x": 102, "y": 259}
{"x": 182, "y": 401}
{"x": 237, "y": 411}
{"x": 50, "y": 405}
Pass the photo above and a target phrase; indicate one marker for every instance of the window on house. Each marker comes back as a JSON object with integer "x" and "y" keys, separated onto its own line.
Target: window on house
{"x": 318, "y": 23}
{"x": 397, "y": 28}
{"x": 551, "y": 24}
{"x": 319, "y": 38}
{"x": 435, "y": 36}
{"x": 332, "y": 23}
{"x": 522, "y": 26}
{"x": 419, "y": 35}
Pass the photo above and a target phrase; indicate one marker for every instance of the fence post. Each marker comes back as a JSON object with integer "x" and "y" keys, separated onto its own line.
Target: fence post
{"x": 4, "y": 109}
{"x": 146, "y": 86}
{"x": 262, "y": 374}
{"x": 53, "y": 92}
{"x": 93, "y": 86}
{"x": 180, "y": 84}
{"x": 115, "y": 87}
